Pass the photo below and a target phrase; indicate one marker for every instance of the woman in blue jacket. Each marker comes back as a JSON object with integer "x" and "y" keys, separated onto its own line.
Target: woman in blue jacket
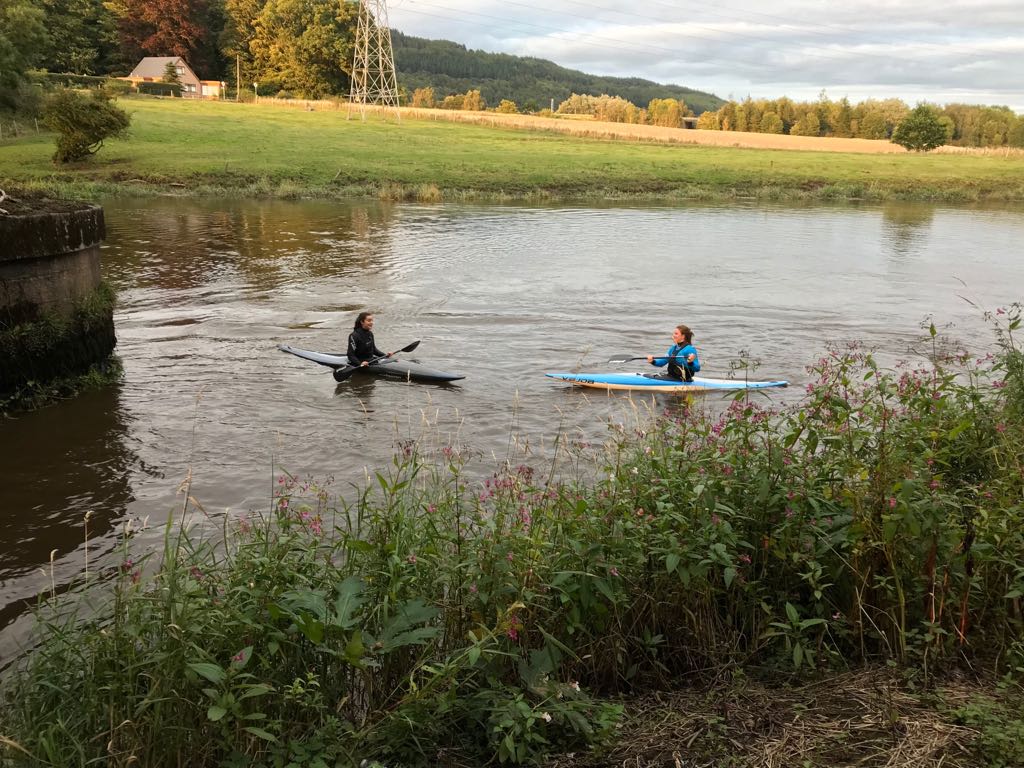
{"x": 682, "y": 360}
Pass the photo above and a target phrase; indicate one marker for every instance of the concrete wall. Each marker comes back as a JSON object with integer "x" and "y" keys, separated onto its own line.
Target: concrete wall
{"x": 56, "y": 317}
{"x": 48, "y": 261}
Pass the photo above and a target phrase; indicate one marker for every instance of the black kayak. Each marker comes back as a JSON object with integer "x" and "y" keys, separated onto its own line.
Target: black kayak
{"x": 390, "y": 368}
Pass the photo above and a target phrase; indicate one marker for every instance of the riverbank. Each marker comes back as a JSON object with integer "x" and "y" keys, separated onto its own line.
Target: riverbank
{"x": 433, "y": 619}
{"x": 182, "y": 147}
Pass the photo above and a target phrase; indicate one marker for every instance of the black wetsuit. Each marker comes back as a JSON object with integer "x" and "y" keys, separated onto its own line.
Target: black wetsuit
{"x": 361, "y": 346}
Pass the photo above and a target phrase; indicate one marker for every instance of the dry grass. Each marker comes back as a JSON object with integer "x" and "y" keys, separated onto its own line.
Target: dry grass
{"x": 863, "y": 719}
{"x": 580, "y": 125}
{"x": 981, "y": 151}
{"x": 585, "y": 126}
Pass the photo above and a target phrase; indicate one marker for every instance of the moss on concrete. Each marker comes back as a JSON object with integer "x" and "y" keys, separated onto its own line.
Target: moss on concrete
{"x": 55, "y": 355}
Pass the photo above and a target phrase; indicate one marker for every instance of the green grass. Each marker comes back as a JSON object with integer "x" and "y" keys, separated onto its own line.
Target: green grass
{"x": 188, "y": 147}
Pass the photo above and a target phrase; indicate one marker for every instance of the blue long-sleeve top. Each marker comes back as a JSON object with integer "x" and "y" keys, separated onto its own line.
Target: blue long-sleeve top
{"x": 680, "y": 352}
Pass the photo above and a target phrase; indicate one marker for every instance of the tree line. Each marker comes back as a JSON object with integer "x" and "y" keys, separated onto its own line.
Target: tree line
{"x": 966, "y": 125}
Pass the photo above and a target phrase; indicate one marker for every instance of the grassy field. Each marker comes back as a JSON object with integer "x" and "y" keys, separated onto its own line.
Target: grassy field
{"x": 189, "y": 147}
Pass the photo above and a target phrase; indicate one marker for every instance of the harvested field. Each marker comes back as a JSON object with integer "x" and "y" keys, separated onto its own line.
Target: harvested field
{"x": 581, "y": 125}
{"x": 594, "y": 129}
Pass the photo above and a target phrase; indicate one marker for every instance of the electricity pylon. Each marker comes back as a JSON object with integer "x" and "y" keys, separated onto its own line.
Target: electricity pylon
{"x": 373, "y": 67}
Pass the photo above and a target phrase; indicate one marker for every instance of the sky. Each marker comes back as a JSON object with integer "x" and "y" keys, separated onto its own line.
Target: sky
{"x": 968, "y": 51}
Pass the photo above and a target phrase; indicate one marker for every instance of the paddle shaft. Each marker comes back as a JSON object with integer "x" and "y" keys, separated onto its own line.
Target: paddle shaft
{"x": 626, "y": 359}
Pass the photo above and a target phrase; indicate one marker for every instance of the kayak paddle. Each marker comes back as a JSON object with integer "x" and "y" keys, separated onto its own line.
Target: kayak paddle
{"x": 625, "y": 358}
{"x": 342, "y": 374}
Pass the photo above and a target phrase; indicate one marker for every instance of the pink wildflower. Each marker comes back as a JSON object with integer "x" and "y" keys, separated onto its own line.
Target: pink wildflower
{"x": 892, "y": 503}
{"x": 412, "y": 559}
{"x": 613, "y": 571}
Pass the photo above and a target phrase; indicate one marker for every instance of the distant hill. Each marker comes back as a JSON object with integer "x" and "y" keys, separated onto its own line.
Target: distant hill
{"x": 531, "y": 83}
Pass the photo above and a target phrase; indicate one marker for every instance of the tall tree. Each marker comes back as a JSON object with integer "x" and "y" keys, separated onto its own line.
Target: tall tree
{"x": 83, "y": 36}
{"x": 185, "y": 28}
{"x": 22, "y": 42}
{"x": 305, "y": 45}
{"x": 841, "y": 119}
{"x": 239, "y": 31}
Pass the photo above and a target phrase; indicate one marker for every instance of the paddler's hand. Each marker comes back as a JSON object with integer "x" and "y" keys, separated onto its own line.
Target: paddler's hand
{"x": 650, "y": 359}
{"x": 364, "y": 363}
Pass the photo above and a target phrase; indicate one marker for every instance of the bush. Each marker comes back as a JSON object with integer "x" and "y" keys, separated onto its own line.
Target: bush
{"x": 51, "y": 80}
{"x": 160, "y": 89}
{"x": 921, "y": 130}
{"x": 82, "y": 123}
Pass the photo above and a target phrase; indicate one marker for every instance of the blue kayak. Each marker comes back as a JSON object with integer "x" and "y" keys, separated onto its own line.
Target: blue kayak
{"x": 650, "y": 382}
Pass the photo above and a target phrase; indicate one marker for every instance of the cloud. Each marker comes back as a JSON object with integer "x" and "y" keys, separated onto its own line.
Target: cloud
{"x": 966, "y": 51}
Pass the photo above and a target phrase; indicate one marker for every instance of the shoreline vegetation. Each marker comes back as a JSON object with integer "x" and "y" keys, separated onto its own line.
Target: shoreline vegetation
{"x": 196, "y": 148}
{"x": 837, "y": 582}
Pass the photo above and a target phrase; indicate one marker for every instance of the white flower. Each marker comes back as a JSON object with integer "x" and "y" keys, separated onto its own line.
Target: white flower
{"x": 546, "y": 717}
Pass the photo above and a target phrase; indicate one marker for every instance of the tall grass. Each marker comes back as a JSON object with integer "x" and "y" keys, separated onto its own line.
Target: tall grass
{"x": 434, "y": 619}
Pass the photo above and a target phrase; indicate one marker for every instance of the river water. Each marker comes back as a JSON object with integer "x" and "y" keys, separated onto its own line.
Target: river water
{"x": 208, "y": 289}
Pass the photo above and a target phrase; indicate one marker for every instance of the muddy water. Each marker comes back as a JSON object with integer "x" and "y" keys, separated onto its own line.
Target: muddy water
{"x": 208, "y": 289}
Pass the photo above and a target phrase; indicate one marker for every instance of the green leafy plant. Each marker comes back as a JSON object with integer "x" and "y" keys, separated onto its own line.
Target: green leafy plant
{"x": 82, "y": 123}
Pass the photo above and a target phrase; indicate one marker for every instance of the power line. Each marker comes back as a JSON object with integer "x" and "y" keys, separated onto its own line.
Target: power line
{"x": 374, "y": 80}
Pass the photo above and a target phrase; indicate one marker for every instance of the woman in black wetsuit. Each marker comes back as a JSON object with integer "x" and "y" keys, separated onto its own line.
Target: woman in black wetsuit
{"x": 361, "y": 346}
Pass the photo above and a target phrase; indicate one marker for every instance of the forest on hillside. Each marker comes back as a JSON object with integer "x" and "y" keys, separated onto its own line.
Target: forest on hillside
{"x": 450, "y": 68}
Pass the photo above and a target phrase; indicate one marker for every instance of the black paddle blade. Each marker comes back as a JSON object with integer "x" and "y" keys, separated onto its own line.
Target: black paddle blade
{"x": 343, "y": 374}
{"x": 624, "y": 358}
{"x": 410, "y": 348}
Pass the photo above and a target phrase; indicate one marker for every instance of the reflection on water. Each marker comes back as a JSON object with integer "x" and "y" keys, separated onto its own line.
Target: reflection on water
{"x": 61, "y": 464}
{"x": 905, "y": 227}
{"x": 209, "y": 288}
